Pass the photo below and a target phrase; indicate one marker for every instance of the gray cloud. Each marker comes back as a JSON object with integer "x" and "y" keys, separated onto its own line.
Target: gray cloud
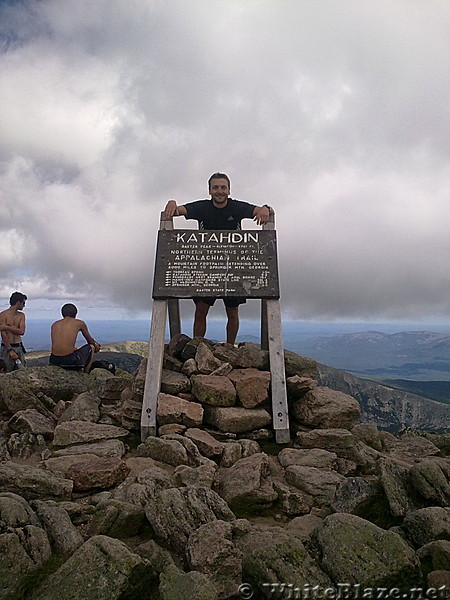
{"x": 334, "y": 113}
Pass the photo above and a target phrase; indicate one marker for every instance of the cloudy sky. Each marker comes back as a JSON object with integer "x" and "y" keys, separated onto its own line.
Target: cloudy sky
{"x": 335, "y": 113}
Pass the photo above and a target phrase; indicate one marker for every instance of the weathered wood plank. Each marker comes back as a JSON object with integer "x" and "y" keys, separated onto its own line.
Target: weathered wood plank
{"x": 154, "y": 369}
{"x": 280, "y": 415}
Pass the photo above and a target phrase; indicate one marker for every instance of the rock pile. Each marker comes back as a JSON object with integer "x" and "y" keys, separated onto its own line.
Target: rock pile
{"x": 212, "y": 507}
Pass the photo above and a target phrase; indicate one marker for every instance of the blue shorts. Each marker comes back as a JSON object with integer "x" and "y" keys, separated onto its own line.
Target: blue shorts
{"x": 78, "y": 358}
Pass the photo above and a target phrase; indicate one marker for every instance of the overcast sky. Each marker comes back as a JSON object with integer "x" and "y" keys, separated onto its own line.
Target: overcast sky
{"x": 335, "y": 113}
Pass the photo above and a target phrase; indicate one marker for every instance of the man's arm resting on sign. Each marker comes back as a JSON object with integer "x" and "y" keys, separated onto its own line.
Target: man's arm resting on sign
{"x": 172, "y": 210}
{"x": 261, "y": 214}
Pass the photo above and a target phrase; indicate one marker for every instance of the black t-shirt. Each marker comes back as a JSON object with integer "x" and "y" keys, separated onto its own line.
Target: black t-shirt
{"x": 210, "y": 217}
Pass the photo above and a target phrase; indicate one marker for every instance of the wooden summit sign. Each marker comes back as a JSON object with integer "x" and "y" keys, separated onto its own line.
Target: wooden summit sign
{"x": 216, "y": 263}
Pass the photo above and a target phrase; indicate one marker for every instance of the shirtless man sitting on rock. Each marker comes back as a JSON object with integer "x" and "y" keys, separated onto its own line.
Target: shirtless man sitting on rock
{"x": 64, "y": 335}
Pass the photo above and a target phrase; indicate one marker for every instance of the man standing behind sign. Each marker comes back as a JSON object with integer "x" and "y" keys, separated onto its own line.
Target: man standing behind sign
{"x": 220, "y": 212}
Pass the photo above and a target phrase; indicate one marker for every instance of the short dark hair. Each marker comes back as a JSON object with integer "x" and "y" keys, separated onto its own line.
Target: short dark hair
{"x": 17, "y": 297}
{"x": 69, "y": 310}
{"x": 218, "y": 176}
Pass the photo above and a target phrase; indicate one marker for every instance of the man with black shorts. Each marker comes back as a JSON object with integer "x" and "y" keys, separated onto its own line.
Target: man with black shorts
{"x": 64, "y": 335}
{"x": 218, "y": 212}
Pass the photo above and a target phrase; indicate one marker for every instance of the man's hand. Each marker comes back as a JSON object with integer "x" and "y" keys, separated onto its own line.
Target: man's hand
{"x": 261, "y": 215}
{"x": 170, "y": 210}
{"x": 13, "y": 354}
{"x": 97, "y": 347}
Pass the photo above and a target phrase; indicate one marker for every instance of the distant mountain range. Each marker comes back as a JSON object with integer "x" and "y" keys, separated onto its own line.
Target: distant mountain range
{"x": 391, "y": 409}
{"x": 411, "y": 355}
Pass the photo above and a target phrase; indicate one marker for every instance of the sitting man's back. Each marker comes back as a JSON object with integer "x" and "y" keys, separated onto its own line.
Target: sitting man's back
{"x": 64, "y": 335}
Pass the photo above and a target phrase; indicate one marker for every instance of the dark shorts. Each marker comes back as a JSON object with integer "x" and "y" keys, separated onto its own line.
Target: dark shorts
{"x": 229, "y": 302}
{"x": 78, "y": 358}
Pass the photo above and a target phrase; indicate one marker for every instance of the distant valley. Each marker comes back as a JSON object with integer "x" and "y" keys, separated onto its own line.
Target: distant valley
{"x": 410, "y": 355}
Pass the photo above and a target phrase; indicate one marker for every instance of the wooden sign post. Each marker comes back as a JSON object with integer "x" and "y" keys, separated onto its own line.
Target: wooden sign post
{"x": 219, "y": 264}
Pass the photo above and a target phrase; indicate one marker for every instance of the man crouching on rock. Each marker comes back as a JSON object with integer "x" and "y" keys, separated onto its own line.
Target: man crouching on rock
{"x": 64, "y": 335}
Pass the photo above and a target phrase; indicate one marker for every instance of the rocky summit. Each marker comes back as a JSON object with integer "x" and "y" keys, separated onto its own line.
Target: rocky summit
{"x": 212, "y": 507}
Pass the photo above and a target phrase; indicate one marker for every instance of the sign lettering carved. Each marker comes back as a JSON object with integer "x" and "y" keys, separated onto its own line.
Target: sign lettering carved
{"x": 216, "y": 263}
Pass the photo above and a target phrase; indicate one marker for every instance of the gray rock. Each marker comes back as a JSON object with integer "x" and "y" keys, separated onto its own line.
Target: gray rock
{"x": 39, "y": 388}
{"x": 434, "y": 556}
{"x": 97, "y": 473}
{"x": 304, "y": 526}
{"x": 356, "y": 551}
{"x": 139, "y": 489}
{"x": 318, "y": 483}
{"x": 189, "y": 367}
{"x": 205, "y": 359}
{"x": 207, "y": 445}
{"x": 430, "y": 479}
{"x": 343, "y": 443}
{"x": 353, "y": 495}
{"x": 102, "y": 567}
{"x": 252, "y": 386}
{"x": 291, "y": 501}
{"x": 211, "y": 551}
{"x": 172, "y": 409}
{"x": 21, "y": 552}
{"x": 177, "y": 343}
{"x": 315, "y": 457}
{"x": 394, "y": 478}
{"x": 247, "y": 484}
{"x": 190, "y": 349}
{"x": 427, "y": 525}
{"x": 176, "y": 585}
{"x": 117, "y": 519}
{"x": 201, "y": 476}
{"x": 250, "y": 355}
{"x": 85, "y": 407}
{"x": 249, "y": 447}
{"x": 177, "y": 512}
{"x": 32, "y": 421}
{"x": 33, "y": 483}
{"x": 325, "y": 408}
{"x": 232, "y": 452}
{"x": 298, "y": 386}
{"x": 275, "y": 555}
{"x": 24, "y": 445}
{"x": 15, "y": 512}
{"x": 212, "y": 390}
{"x": 236, "y": 419}
{"x": 105, "y": 448}
{"x": 174, "y": 383}
{"x": 168, "y": 451}
{"x": 63, "y": 535}
{"x": 299, "y": 365}
{"x": 369, "y": 434}
{"x": 82, "y": 432}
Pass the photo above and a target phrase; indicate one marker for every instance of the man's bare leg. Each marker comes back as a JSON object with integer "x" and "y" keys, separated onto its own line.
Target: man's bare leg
{"x": 87, "y": 368}
{"x": 232, "y": 324}
{"x": 201, "y": 312}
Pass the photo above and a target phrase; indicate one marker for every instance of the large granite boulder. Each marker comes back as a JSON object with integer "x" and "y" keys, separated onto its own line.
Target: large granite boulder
{"x": 40, "y": 388}
{"x": 32, "y": 482}
{"x": 427, "y": 524}
{"x": 275, "y": 556}
{"x": 83, "y": 432}
{"x": 247, "y": 484}
{"x": 236, "y": 419}
{"x": 172, "y": 409}
{"x": 325, "y": 408}
{"x": 102, "y": 568}
{"x": 213, "y": 390}
{"x": 177, "y": 512}
{"x": 356, "y": 551}
{"x": 212, "y": 551}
